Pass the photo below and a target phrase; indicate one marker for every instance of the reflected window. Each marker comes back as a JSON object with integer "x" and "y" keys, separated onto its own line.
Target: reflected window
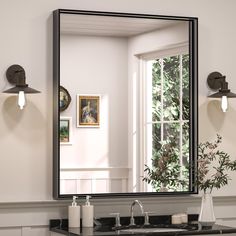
{"x": 166, "y": 123}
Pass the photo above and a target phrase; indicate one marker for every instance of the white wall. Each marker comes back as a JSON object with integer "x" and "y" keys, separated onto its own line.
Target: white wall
{"x": 160, "y": 39}
{"x": 26, "y": 136}
{"x": 106, "y": 75}
{"x": 95, "y": 65}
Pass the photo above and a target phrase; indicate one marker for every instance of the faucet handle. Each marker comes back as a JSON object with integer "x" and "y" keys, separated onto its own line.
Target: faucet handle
{"x": 117, "y": 217}
{"x": 146, "y": 217}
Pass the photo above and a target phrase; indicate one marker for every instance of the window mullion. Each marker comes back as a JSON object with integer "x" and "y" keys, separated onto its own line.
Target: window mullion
{"x": 181, "y": 115}
{"x": 162, "y": 99}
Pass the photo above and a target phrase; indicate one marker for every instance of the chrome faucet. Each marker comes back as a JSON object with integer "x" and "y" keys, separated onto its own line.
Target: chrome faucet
{"x": 132, "y": 222}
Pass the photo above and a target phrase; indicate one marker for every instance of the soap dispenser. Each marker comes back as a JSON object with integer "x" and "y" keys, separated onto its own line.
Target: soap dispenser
{"x": 87, "y": 213}
{"x": 74, "y": 214}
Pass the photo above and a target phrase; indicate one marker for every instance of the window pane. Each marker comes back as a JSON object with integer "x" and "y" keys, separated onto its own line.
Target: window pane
{"x": 156, "y": 90}
{"x": 165, "y": 172}
{"x": 171, "y": 88}
{"x": 171, "y": 132}
{"x": 185, "y": 89}
{"x": 156, "y": 138}
{"x": 185, "y": 156}
{"x": 181, "y": 160}
{"x": 185, "y": 142}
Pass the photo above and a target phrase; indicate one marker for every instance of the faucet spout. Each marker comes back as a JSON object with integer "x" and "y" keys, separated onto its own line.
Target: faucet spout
{"x": 132, "y": 222}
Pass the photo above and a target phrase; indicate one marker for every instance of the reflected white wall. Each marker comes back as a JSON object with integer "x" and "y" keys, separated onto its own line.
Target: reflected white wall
{"x": 96, "y": 66}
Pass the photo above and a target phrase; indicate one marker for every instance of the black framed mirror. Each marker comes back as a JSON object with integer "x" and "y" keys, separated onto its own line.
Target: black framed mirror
{"x": 131, "y": 127}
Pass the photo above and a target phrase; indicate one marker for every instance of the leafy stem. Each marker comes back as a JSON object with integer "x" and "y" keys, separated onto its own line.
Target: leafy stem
{"x": 213, "y": 166}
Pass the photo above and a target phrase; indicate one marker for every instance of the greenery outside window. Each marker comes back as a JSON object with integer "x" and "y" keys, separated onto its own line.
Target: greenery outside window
{"x": 166, "y": 122}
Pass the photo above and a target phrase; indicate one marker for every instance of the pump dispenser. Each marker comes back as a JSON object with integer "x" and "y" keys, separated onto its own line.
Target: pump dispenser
{"x": 87, "y": 213}
{"x": 74, "y": 214}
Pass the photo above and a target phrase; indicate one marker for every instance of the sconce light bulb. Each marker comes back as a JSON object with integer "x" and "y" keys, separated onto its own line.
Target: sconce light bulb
{"x": 21, "y": 99}
{"x": 224, "y": 103}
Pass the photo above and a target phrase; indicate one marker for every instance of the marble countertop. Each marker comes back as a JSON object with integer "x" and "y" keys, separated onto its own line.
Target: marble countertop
{"x": 106, "y": 229}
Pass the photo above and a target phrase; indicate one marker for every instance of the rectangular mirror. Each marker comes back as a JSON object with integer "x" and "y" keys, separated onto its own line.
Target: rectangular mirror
{"x": 125, "y": 104}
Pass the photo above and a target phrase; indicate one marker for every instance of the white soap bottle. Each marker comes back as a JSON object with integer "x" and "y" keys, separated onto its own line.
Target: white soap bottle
{"x": 74, "y": 214}
{"x": 87, "y": 213}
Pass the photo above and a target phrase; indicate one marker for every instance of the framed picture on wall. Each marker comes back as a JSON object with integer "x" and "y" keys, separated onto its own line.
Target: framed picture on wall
{"x": 65, "y": 130}
{"x": 88, "y": 110}
{"x": 65, "y": 99}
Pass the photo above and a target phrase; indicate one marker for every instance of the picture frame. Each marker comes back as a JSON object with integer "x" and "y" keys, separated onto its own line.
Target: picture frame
{"x": 88, "y": 110}
{"x": 65, "y": 130}
{"x": 64, "y": 99}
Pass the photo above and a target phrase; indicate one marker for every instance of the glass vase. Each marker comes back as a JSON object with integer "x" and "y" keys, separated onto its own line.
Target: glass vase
{"x": 163, "y": 188}
{"x": 207, "y": 216}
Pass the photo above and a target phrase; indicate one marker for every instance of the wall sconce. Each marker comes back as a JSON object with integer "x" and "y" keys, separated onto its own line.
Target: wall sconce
{"x": 16, "y": 75}
{"x": 216, "y": 80}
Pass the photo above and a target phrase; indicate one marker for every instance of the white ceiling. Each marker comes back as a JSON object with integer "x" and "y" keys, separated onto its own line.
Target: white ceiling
{"x": 110, "y": 26}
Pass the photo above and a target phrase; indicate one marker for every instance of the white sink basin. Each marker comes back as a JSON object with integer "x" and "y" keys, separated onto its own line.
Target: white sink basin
{"x": 151, "y": 230}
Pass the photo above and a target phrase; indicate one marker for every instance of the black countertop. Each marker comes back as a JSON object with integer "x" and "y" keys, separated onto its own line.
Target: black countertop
{"x": 106, "y": 228}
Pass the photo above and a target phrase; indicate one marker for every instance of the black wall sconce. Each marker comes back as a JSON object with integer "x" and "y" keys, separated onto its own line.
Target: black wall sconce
{"x": 216, "y": 80}
{"x": 16, "y": 75}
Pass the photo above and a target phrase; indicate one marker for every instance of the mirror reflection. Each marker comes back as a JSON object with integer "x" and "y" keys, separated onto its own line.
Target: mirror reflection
{"x": 129, "y": 126}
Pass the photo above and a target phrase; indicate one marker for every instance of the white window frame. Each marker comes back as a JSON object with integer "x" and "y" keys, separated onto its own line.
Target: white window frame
{"x": 178, "y": 49}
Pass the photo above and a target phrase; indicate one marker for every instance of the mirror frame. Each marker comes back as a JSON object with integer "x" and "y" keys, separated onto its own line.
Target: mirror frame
{"x": 193, "y": 75}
